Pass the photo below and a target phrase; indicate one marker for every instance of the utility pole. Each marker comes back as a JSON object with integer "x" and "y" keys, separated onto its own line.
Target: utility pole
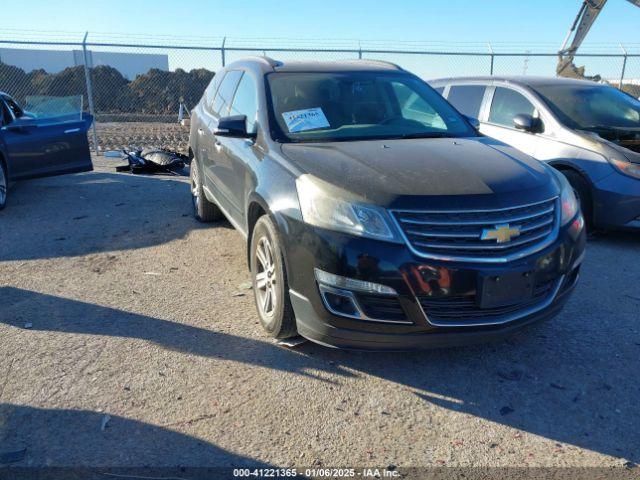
{"x": 87, "y": 78}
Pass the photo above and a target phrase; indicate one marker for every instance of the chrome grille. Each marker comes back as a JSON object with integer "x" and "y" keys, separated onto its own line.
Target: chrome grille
{"x": 457, "y": 234}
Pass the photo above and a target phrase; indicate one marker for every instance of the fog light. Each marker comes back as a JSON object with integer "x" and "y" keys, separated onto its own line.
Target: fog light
{"x": 340, "y": 303}
{"x": 352, "y": 284}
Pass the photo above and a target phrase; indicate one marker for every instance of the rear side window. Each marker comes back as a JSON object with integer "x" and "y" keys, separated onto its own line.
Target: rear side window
{"x": 467, "y": 99}
{"x": 506, "y": 104}
{"x": 223, "y": 97}
{"x": 245, "y": 101}
{"x": 439, "y": 90}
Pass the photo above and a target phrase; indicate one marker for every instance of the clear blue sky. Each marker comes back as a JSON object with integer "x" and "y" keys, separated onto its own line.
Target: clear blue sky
{"x": 512, "y": 25}
{"x": 531, "y": 21}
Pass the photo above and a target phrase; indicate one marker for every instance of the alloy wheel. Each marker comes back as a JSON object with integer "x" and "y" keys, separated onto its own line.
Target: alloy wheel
{"x": 266, "y": 278}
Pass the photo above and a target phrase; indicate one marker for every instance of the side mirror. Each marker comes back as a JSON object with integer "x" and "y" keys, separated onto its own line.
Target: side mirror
{"x": 475, "y": 123}
{"x": 526, "y": 122}
{"x": 234, "y": 126}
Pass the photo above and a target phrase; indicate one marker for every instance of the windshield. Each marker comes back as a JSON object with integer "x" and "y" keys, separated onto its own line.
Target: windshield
{"x": 592, "y": 107}
{"x": 341, "y": 106}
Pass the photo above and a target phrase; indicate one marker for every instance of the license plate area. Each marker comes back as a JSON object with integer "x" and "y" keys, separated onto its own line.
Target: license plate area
{"x": 505, "y": 289}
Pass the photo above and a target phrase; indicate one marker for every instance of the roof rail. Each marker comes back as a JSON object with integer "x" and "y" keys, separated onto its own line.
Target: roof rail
{"x": 271, "y": 61}
{"x": 382, "y": 62}
{"x": 260, "y": 58}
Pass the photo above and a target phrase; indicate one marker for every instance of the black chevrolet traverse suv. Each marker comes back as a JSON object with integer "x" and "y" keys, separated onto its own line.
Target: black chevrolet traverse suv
{"x": 376, "y": 216}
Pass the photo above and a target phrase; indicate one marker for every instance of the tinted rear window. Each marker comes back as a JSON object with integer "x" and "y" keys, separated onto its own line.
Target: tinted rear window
{"x": 467, "y": 99}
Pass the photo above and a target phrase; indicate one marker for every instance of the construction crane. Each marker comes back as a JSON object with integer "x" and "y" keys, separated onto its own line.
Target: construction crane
{"x": 587, "y": 15}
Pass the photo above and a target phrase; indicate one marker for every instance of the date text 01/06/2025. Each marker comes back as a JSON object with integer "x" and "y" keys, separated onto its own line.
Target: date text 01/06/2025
{"x": 316, "y": 472}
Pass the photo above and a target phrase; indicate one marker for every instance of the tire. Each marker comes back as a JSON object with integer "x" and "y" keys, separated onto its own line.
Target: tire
{"x": 204, "y": 210}
{"x": 583, "y": 192}
{"x": 269, "y": 279}
{"x": 4, "y": 185}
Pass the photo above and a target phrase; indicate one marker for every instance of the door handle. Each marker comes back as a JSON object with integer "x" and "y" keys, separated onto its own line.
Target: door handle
{"x": 218, "y": 145}
{"x": 200, "y": 131}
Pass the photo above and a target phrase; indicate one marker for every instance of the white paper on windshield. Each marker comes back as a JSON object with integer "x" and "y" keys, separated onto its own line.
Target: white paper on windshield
{"x": 307, "y": 119}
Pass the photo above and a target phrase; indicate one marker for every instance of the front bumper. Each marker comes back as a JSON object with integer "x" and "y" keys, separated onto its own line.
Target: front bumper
{"x": 617, "y": 202}
{"x": 418, "y": 282}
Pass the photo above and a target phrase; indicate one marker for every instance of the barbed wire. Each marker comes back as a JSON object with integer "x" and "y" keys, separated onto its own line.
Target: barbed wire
{"x": 265, "y": 43}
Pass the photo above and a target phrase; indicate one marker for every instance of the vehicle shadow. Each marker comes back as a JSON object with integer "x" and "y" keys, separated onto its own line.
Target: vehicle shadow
{"x": 55, "y": 314}
{"x": 103, "y": 443}
{"x": 577, "y": 398}
{"x": 573, "y": 380}
{"x": 95, "y": 212}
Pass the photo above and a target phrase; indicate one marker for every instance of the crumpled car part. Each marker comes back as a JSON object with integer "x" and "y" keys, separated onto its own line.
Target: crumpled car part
{"x": 153, "y": 160}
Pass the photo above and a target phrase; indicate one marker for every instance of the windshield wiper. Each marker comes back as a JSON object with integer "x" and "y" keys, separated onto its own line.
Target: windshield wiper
{"x": 359, "y": 138}
{"x": 425, "y": 135}
{"x": 613, "y": 133}
{"x": 599, "y": 127}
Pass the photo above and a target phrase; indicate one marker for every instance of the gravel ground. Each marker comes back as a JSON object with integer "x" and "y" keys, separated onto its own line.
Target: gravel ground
{"x": 128, "y": 338}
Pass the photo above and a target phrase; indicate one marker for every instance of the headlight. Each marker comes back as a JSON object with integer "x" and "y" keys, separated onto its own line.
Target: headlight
{"x": 322, "y": 205}
{"x": 625, "y": 167}
{"x": 568, "y": 201}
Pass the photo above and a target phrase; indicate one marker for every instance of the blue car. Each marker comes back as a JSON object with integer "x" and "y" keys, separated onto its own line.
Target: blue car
{"x": 34, "y": 145}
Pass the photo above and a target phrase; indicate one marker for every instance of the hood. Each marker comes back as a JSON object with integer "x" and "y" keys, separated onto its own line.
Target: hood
{"x": 621, "y": 139}
{"x": 479, "y": 171}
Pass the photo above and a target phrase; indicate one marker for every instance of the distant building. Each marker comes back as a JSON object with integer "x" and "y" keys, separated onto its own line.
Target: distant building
{"x": 53, "y": 61}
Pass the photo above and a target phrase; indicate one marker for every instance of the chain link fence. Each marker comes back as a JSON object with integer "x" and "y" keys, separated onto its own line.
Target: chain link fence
{"x": 137, "y": 88}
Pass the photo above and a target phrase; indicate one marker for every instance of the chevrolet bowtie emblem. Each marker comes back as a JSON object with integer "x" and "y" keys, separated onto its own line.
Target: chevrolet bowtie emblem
{"x": 501, "y": 234}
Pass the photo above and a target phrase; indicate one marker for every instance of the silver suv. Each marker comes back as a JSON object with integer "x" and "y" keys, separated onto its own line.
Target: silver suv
{"x": 588, "y": 131}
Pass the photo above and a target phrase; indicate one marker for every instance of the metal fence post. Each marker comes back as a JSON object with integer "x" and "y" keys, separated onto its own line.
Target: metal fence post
{"x": 624, "y": 66}
{"x": 224, "y": 40}
{"x": 359, "y": 51}
{"x": 491, "y": 56}
{"x": 87, "y": 77}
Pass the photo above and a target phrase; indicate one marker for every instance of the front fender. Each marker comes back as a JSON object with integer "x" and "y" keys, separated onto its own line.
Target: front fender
{"x": 570, "y": 165}
{"x": 277, "y": 196}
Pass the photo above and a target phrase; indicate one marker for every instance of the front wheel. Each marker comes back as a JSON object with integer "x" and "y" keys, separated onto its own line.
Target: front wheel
{"x": 269, "y": 278}
{"x": 4, "y": 185}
